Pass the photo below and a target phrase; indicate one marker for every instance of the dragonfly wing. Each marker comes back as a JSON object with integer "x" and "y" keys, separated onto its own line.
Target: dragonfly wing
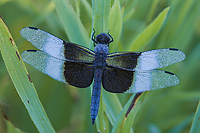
{"x": 57, "y": 47}
{"x": 152, "y": 80}
{"x": 122, "y": 81}
{"x": 73, "y": 73}
{"x": 147, "y": 60}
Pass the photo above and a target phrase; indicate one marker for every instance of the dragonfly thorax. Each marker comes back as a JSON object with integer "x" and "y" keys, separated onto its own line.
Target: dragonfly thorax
{"x": 101, "y": 52}
{"x": 101, "y": 49}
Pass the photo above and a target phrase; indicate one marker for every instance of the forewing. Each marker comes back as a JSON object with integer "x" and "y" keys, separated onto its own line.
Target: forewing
{"x": 73, "y": 73}
{"x": 147, "y": 60}
{"x": 57, "y": 47}
{"x": 122, "y": 81}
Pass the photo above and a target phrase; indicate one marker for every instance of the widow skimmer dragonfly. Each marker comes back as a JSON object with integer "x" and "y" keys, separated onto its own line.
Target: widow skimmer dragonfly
{"x": 128, "y": 72}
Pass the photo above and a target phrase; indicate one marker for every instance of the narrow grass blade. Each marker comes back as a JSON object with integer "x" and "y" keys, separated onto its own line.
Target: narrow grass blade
{"x": 88, "y": 8}
{"x": 152, "y": 10}
{"x": 11, "y": 128}
{"x": 124, "y": 123}
{"x": 128, "y": 15}
{"x": 101, "y": 10}
{"x": 71, "y": 22}
{"x": 195, "y": 128}
{"x": 150, "y": 31}
{"x": 22, "y": 81}
{"x": 178, "y": 128}
{"x": 77, "y": 4}
{"x": 113, "y": 106}
{"x": 127, "y": 125}
{"x": 115, "y": 24}
{"x": 121, "y": 117}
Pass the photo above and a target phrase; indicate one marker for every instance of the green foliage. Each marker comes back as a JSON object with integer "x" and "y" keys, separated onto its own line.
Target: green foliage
{"x": 134, "y": 25}
{"x": 22, "y": 81}
{"x": 145, "y": 36}
{"x": 11, "y": 128}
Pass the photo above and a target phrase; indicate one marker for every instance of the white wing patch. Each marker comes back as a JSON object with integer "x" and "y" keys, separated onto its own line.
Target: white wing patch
{"x": 44, "y": 41}
{"x": 54, "y": 68}
{"x": 147, "y": 61}
{"x": 54, "y": 46}
{"x": 159, "y": 58}
{"x": 45, "y": 63}
{"x": 152, "y": 80}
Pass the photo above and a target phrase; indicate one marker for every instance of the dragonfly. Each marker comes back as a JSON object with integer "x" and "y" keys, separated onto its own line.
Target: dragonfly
{"x": 120, "y": 72}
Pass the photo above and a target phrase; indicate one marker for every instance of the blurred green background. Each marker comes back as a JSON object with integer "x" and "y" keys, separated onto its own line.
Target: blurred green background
{"x": 68, "y": 108}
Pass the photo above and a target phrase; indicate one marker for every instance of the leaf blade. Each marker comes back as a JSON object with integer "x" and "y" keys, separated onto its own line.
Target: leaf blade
{"x": 148, "y": 33}
{"x": 22, "y": 82}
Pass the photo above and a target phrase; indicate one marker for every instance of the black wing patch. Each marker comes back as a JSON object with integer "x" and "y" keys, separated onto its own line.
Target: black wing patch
{"x": 76, "y": 53}
{"x": 117, "y": 80}
{"x": 126, "y": 61}
{"x": 78, "y": 74}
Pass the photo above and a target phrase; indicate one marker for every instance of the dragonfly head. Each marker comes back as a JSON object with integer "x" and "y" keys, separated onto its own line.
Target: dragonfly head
{"x": 103, "y": 38}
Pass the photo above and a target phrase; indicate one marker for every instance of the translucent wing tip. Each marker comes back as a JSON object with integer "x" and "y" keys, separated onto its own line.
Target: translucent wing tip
{"x": 174, "y": 79}
{"x": 179, "y": 54}
{"x": 25, "y": 31}
{"x": 23, "y": 54}
{"x": 22, "y": 31}
{"x": 26, "y": 55}
{"x": 152, "y": 80}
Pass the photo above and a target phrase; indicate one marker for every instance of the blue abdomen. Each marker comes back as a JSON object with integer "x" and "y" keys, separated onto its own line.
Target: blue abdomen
{"x": 96, "y": 92}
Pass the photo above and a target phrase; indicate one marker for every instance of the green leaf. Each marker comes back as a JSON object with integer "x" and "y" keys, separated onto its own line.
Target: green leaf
{"x": 87, "y": 7}
{"x": 129, "y": 14}
{"x": 121, "y": 117}
{"x": 195, "y": 128}
{"x": 101, "y": 10}
{"x": 11, "y": 128}
{"x": 115, "y": 24}
{"x": 113, "y": 106}
{"x": 154, "y": 128}
{"x": 71, "y": 22}
{"x": 123, "y": 124}
{"x": 148, "y": 33}
{"x": 131, "y": 117}
{"x": 181, "y": 125}
{"x": 22, "y": 81}
{"x": 152, "y": 10}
